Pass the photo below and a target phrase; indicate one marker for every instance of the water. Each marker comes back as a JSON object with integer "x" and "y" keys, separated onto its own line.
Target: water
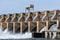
{"x": 53, "y": 27}
{"x": 31, "y": 39}
{"x": 7, "y": 35}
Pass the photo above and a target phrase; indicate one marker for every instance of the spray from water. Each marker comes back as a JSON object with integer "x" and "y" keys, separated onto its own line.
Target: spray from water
{"x": 52, "y": 28}
{"x": 6, "y": 35}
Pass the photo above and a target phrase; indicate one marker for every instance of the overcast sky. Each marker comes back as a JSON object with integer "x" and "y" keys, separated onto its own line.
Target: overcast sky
{"x": 16, "y": 6}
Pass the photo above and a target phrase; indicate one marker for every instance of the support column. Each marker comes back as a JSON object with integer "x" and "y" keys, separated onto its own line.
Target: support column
{"x": 50, "y": 34}
{"x": 13, "y": 27}
{"x": 29, "y": 14}
{"x": 21, "y": 14}
{"x": 37, "y": 26}
{"x": 14, "y": 18}
{"x": 28, "y": 26}
{"x": 57, "y": 23}
{"x": 20, "y": 26}
{"x": 46, "y": 33}
{"x": 37, "y": 14}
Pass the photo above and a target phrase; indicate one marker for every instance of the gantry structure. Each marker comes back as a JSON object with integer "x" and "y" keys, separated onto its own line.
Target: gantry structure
{"x": 30, "y": 21}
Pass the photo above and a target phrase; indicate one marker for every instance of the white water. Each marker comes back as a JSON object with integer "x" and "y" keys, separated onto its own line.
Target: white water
{"x": 43, "y": 29}
{"x": 6, "y": 35}
{"x": 53, "y": 27}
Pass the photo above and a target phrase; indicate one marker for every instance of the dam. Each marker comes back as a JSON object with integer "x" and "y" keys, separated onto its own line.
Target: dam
{"x": 32, "y": 22}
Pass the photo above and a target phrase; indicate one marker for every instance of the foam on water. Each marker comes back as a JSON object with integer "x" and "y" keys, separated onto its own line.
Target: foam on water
{"x": 15, "y": 36}
{"x": 6, "y": 35}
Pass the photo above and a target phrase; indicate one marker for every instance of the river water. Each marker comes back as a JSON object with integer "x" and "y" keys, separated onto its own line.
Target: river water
{"x": 8, "y": 35}
{"x": 31, "y": 39}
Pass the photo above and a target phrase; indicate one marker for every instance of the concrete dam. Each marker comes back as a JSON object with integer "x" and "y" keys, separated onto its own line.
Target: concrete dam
{"x": 32, "y": 22}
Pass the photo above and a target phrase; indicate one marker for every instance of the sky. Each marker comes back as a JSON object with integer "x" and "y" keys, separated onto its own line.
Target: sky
{"x": 17, "y": 6}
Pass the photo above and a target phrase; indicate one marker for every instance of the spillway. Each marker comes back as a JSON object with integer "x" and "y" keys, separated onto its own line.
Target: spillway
{"x": 7, "y": 35}
{"x": 31, "y": 22}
